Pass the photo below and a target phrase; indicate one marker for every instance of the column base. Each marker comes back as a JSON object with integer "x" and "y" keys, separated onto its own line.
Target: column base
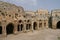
{"x": 15, "y": 33}
{"x": 4, "y": 35}
{"x": 32, "y": 30}
{"x": 25, "y": 31}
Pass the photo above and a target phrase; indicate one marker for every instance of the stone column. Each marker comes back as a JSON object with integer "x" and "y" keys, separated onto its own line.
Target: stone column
{"x": 32, "y": 26}
{"x": 54, "y": 25}
{"x": 24, "y": 28}
{"x": 15, "y": 28}
{"x": 37, "y": 25}
{"x": 46, "y": 24}
{"x": 4, "y": 34}
{"x": 42, "y": 23}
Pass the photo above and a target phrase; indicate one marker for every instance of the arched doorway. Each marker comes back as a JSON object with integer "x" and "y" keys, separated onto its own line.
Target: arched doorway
{"x": 40, "y": 25}
{"x": 0, "y": 29}
{"x": 34, "y": 25}
{"x": 58, "y": 25}
{"x": 20, "y": 27}
{"x": 9, "y": 28}
{"x": 28, "y": 26}
{"x": 45, "y": 24}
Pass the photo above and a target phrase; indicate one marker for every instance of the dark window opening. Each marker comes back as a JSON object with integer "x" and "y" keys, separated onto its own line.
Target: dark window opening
{"x": 20, "y": 21}
{"x": 3, "y": 14}
{"x": 9, "y": 15}
{"x": 28, "y": 21}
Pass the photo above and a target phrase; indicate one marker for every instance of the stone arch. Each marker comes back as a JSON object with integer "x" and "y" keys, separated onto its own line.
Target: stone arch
{"x": 20, "y": 27}
{"x": 35, "y": 25}
{"x": 58, "y": 25}
{"x": 0, "y": 29}
{"x": 10, "y": 28}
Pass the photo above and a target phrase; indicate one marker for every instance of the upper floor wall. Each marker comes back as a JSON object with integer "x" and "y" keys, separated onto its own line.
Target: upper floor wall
{"x": 56, "y": 12}
{"x": 10, "y": 11}
{"x": 42, "y": 12}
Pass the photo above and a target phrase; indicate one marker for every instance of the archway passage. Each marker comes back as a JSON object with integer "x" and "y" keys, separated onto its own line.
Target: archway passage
{"x": 20, "y": 27}
{"x": 34, "y": 25}
{"x": 40, "y": 25}
{"x": 28, "y": 26}
{"x": 10, "y": 28}
{"x": 58, "y": 25}
{"x": 45, "y": 24}
{"x": 0, "y": 29}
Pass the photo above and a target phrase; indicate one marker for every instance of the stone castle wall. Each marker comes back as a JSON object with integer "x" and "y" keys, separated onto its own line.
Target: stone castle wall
{"x": 13, "y": 19}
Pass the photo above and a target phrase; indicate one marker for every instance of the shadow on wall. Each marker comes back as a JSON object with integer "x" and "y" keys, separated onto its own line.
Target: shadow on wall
{"x": 50, "y": 22}
{"x": 34, "y": 25}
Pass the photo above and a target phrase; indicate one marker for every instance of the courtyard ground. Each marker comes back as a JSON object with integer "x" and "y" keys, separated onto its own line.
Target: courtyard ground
{"x": 42, "y": 34}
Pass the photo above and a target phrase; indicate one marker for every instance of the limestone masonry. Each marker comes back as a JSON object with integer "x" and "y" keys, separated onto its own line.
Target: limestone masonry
{"x": 14, "y": 19}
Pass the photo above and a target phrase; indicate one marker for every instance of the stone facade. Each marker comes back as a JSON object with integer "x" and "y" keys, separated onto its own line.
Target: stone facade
{"x": 13, "y": 19}
{"x": 55, "y": 15}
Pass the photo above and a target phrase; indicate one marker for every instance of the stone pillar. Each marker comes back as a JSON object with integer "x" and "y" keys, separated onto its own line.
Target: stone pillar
{"x": 42, "y": 23}
{"x": 4, "y": 34}
{"x": 54, "y": 24}
{"x": 31, "y": 26}
{"x": 46, "y": 24}
{"x": 37, "y": 25}
{"x": 24, "y": 28}
{"x": 15, "y": 28}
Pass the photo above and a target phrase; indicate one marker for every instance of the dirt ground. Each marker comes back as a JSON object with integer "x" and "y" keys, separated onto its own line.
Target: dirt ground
{"x": 42, "y": 34}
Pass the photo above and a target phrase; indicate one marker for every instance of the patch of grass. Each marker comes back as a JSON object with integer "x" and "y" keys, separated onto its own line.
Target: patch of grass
{"x": 58, "y": 38}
